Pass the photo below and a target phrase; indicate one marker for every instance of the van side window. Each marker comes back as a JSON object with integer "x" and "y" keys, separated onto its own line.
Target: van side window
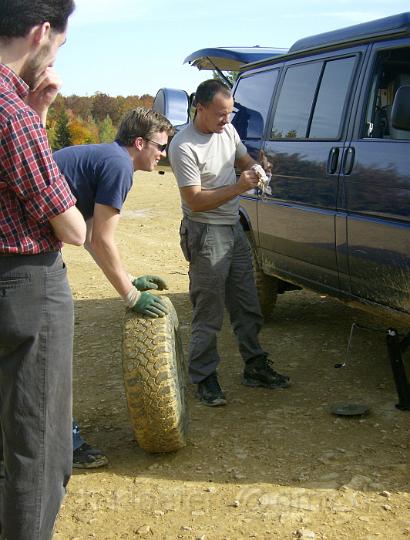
{"x": 312, "y": 100}
{"x": 391, "y": 70}
{"x": 252, "y": 100}
{"x": 331, "y": 99}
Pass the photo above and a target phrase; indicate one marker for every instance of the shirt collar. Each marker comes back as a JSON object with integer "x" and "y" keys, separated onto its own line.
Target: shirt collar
{"x": 13, "y": 81}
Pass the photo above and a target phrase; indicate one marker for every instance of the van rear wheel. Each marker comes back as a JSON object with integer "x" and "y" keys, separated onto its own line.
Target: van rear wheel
{"x": 266, "y": 286}
{"x": 267, "y": 289}
{"x": 155, "y": 378}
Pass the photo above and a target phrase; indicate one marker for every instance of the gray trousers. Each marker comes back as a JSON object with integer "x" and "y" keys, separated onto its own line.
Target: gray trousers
{"x": 36, "y": 337}
{"x": 220, "y": 275}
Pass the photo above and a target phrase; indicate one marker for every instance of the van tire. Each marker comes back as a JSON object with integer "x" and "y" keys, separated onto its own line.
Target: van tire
{"x": 266, "y": 286}
{"x": 154, "y": 375}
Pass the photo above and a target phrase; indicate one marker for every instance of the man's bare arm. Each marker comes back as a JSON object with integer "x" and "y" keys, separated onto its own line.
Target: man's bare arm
{"x": 245, "y": 162}
{"x": 201, "y": 200}
{"x": 69, "y": 227}
{"x": 101, "y": 244}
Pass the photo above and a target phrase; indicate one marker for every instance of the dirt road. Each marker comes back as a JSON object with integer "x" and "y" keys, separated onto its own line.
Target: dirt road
{"x": 271, "y": 464}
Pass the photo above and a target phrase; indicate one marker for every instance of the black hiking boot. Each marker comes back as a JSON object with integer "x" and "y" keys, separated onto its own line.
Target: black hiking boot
{"x": 88, "y": 457}
{"x": 210, "y": 393}
{"x": 259, "y": 372}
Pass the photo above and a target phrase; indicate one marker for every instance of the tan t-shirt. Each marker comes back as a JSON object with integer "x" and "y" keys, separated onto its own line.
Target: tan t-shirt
{"x": 207, "y": 160}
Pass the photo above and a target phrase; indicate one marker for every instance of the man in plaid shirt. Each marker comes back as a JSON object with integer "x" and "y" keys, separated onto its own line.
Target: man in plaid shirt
{"x": 37, "y": 214}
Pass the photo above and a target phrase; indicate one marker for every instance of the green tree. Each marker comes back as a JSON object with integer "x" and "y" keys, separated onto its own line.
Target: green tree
{"x": 59, "y": 104}
{"x": 231, "y": 77}
{"x": 107, "y": 130}
{"x": 62, "y": 136}
{"x": 51, "y": 133}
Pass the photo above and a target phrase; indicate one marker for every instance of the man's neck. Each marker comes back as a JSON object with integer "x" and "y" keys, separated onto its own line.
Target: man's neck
{"x": 200, "y": 127}
{"x": 133, "y": 155}
{"x": 14, "y": 54}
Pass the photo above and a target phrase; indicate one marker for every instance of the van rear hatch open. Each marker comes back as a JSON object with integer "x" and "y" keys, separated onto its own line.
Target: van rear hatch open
{"x": 175, "y": 104}
{"x": 230, "y": 58}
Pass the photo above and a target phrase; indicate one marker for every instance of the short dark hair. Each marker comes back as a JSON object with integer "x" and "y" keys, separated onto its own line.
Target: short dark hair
{"x": 206, "y": 91}
{"x": 141, "y": 122}
{"x": 18, "y": 17}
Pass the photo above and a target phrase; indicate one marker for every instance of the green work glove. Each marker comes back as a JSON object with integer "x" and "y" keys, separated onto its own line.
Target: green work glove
{"x": 144, "y": 283}
{"x": 151, "y": 305}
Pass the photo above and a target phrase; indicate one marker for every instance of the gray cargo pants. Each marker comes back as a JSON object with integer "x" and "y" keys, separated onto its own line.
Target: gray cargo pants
{"x": 220, "y": 274}
{"x": 36, "y": 336}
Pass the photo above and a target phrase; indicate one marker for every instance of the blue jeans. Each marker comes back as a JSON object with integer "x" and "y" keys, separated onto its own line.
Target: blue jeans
{"x": 220, "y": 275}
{"x": 36, "y": 337}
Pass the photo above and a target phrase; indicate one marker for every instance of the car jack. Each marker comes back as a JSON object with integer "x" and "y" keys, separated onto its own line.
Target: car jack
{"x": 396, "y": 348}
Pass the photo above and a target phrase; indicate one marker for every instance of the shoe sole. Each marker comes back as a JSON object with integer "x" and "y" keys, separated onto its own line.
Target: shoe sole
{"x": 92, "y": 464}
{"x": 255, "y": 383}
{"x": 216, "y": 403}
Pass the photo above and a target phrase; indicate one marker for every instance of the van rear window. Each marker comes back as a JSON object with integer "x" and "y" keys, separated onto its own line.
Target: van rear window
{"x": 252, "y": 97}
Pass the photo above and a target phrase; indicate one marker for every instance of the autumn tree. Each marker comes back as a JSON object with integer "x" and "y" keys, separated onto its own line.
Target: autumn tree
{"x": 103, "y": 105}
{"x": 80, "y": 132}
{"x": 146, "y": 101}
{"x": 93, "y": 129}
{"x": 89, "y": 119}
{"x": 80, "y": 105}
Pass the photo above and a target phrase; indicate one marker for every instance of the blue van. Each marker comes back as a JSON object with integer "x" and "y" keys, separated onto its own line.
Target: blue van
{"x": 329, "y": 120}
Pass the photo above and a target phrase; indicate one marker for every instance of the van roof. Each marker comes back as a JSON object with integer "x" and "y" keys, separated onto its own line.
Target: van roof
{"x": 392, "y": 26}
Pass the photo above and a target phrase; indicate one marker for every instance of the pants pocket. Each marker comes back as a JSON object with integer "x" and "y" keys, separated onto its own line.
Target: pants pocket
{"x": 183, "y": 241}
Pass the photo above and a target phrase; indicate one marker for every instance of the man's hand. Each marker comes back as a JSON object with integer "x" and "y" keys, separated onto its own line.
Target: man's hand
{"x": 42, "y": 96}
{"x": 248, "y": 180}
{"x": 144, "y": 283}
{"x": 150, "y": 305}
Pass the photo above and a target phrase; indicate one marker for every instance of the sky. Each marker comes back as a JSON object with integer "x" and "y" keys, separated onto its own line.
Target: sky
{"x": 135, "y": 47}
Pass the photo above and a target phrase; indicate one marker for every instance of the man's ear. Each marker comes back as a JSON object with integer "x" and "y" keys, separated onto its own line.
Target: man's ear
{"x": 40, "y": 33}
{"x": 139, "y": 143}
{"x": 199, "y": 107}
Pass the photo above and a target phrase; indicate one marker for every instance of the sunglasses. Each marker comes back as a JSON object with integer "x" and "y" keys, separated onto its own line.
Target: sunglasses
{"x": 161, "y": 147}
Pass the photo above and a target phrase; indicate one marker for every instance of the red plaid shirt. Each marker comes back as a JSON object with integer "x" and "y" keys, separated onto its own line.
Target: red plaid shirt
{"x": 32, "y": 189}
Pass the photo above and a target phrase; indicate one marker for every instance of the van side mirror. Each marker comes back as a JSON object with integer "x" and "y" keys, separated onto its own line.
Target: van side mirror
{"x": 400, "y": 113}
{"x": 174, "y": 105}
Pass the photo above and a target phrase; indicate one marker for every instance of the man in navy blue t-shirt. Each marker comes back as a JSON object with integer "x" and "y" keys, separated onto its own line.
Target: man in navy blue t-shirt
{"x": 100, "y": 176}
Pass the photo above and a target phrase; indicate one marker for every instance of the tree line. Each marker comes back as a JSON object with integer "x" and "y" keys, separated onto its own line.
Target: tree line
{"x": 86, "y": 120}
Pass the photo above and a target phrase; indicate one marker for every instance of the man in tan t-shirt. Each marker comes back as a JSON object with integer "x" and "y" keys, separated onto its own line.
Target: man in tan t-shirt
{"x": 203, "y": 157}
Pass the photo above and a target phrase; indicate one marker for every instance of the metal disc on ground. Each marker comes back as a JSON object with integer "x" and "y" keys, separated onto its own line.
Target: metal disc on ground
{"x": 155, "y": 379}
{"x": 349, "y": 409}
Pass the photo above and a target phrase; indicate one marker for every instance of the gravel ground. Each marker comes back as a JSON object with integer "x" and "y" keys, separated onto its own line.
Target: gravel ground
{"x": 272, "y": 463}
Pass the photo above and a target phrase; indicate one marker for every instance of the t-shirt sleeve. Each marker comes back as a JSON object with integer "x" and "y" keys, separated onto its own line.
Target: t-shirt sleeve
{"x": 30, "y": 171}
{"x": 115, "y": 181}
{"x": 241, "y": 149}
{"x": 184, "y": 165}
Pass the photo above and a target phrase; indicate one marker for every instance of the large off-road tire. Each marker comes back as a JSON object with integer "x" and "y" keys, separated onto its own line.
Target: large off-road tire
{"x": 154, "y": 378}
{"x": 266, "y": 286}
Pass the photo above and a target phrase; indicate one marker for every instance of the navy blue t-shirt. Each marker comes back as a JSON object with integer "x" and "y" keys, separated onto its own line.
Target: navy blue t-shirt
{"x": 96, "y": 173}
